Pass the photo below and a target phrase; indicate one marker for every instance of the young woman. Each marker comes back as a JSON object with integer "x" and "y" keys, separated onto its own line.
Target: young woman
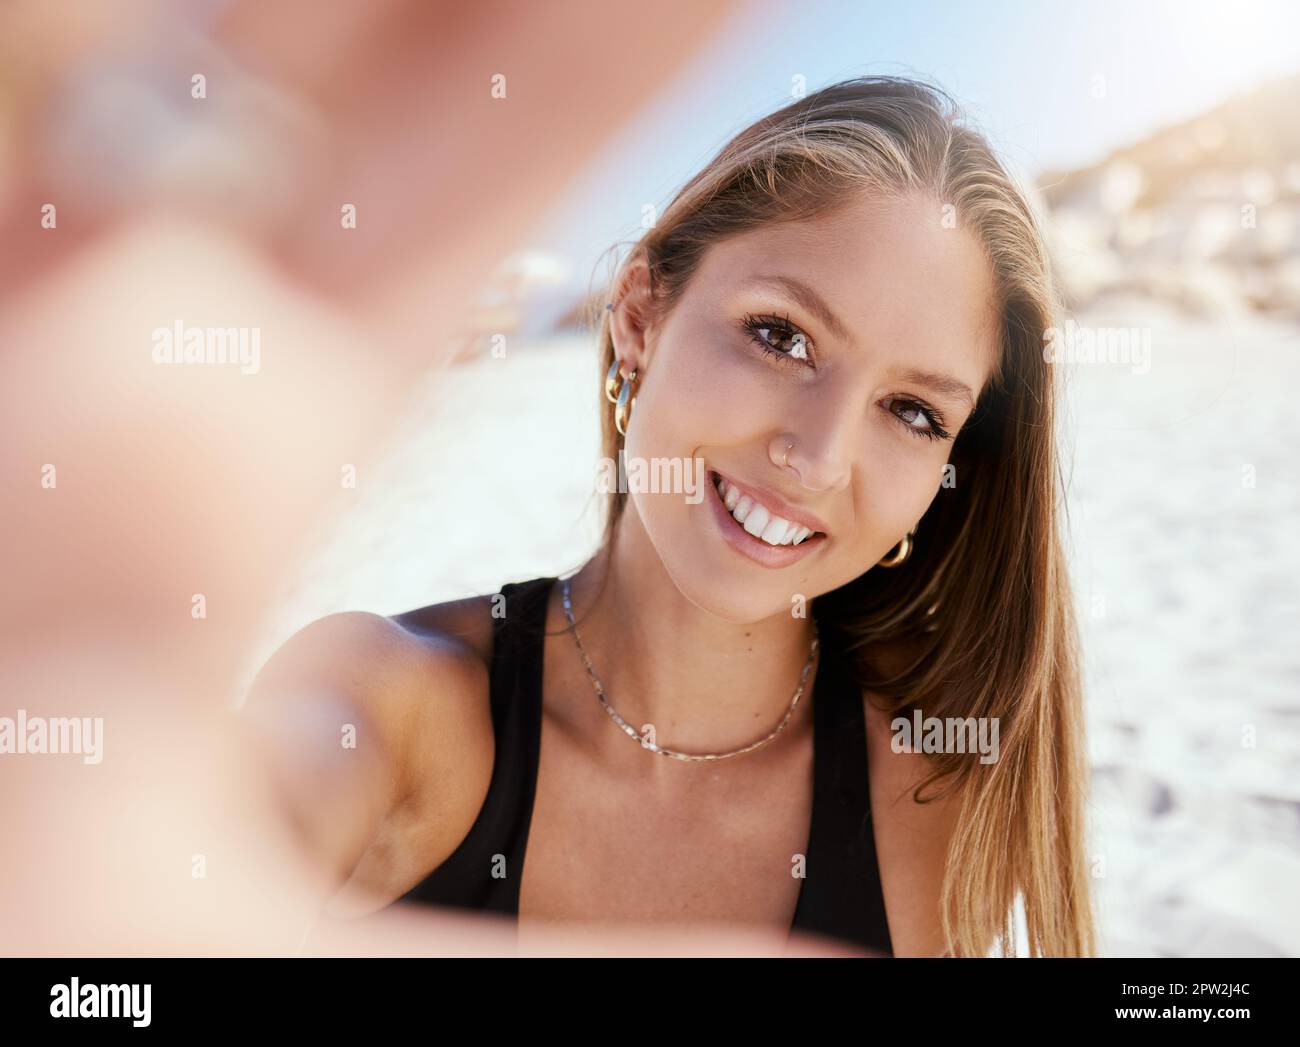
{"x": 839, "y": 322}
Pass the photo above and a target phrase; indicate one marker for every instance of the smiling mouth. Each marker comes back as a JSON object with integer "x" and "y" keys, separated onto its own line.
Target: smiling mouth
{"x": 760, "y": 522}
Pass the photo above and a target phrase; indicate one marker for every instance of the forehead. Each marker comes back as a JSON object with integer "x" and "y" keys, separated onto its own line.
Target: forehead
{"x": 903, "y": 282}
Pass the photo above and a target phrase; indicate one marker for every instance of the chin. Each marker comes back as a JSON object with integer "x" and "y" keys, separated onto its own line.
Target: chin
{"x": 733, "y": 592}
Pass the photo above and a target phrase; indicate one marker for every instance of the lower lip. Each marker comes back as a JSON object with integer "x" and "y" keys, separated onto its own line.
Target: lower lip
{"x": 755, "y": 548}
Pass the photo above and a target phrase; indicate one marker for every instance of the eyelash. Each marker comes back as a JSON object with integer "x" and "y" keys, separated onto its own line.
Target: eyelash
{"x": 752, "y": 324}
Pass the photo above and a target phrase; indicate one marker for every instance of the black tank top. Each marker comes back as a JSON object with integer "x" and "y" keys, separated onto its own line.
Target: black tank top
{"x": 840, "y": 895}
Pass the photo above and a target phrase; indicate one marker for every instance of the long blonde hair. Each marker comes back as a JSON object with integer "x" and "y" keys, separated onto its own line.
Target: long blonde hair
{"x": 982, "y": 610}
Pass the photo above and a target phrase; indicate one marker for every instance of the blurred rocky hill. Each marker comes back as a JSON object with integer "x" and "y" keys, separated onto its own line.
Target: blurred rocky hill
{"x": 1204, "y": 214}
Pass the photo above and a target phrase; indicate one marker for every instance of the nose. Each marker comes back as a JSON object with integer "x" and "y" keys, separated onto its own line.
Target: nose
{"x": 823, "y": 440}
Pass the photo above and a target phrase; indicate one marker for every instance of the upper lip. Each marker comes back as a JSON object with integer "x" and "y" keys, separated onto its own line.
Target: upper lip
{"x": 778, "y": 505}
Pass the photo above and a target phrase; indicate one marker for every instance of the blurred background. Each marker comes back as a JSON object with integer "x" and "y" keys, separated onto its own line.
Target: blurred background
{"x": 424, "y": 421}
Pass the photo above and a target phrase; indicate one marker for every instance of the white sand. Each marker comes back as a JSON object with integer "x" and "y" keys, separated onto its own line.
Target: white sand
{"x": 1187, "y": 582}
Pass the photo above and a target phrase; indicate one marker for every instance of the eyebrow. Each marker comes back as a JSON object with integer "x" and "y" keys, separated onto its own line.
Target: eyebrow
{"x": 943, "y": 384}
{"x": 809, "y": 299}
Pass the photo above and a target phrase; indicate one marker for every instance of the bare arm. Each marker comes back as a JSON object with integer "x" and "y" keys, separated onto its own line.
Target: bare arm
{"x": 363, "y": 730}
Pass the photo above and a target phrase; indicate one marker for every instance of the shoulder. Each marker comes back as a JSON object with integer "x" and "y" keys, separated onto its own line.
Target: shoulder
{"x": 912, "y": 839}
{"x": 417, "y": 687}
{"x": 365, "y": 655}
{"x": 417, "y": 680}
{"x": 461, "y": 626}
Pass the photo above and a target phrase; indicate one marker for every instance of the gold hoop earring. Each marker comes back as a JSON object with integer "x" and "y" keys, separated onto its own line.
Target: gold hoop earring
{"x": 901, "y": 552}
{"x": 611, "y": 382}
{"x": 623, "y": 406}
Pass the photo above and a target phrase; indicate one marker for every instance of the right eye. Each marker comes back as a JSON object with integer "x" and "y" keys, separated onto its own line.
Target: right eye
{"x": 764, "y": 330}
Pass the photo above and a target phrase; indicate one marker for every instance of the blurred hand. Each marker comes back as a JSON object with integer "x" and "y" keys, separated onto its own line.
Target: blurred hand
{"x": 151, "y": 511}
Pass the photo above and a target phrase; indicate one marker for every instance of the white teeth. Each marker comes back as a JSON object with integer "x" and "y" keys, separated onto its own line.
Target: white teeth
{"x": 758, "y": 520}
{"x": 776, "y": 531}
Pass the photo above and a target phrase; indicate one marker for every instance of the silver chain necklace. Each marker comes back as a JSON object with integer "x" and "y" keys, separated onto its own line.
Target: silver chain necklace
{"x": 631, "y": 732}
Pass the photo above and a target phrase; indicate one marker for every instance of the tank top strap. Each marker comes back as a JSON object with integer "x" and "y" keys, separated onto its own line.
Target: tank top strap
{"x": 485, "y": 871}
{"x": 518, "y": 639}
{"x": 842, "y": 895}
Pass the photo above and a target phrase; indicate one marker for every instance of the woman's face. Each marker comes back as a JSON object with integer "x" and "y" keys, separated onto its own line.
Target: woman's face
{"x": 861, "y": 338}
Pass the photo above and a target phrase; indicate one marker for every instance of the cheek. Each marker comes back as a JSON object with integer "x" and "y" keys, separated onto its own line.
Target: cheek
{"x": 704, "y": 391}
{"x": 894, "y": 491}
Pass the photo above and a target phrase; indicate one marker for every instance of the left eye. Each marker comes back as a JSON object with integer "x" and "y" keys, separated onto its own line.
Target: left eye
{"x": 912, "y": 413}
{"x": 918, "y": 419}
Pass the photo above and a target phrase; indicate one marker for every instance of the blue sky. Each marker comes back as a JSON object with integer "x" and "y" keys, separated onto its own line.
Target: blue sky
{"x": 1026, "y": 72}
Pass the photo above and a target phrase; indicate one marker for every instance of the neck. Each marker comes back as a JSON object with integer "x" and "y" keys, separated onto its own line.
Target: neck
{"x": 706, "y": 684}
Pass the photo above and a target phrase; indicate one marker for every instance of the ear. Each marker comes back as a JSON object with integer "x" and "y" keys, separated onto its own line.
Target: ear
{"x": 633, "y": 318}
